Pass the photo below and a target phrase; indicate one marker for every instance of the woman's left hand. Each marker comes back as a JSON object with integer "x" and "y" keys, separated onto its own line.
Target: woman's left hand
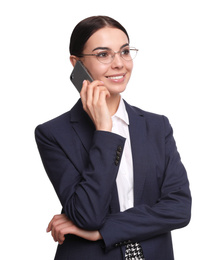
{"x": 60, "y": 225}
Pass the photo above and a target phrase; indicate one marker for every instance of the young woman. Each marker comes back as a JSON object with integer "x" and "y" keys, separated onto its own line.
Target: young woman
{"x": 114, "y": 167}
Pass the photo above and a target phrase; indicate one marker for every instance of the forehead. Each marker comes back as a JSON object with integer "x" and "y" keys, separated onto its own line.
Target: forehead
{"x": 112, "y": 38}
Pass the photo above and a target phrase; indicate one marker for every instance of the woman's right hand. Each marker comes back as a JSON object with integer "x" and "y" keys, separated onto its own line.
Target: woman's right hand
{"x": 94, "y": 99}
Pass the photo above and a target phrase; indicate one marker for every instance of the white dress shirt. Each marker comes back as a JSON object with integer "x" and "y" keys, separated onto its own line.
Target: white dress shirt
{"x": 125, "y": 173}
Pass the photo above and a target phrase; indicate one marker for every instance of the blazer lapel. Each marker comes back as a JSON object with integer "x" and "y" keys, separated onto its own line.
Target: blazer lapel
{"x": 137, "y": 129}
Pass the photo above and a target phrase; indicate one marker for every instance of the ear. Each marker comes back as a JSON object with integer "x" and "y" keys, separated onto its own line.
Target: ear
{"x": 73, "y": 60}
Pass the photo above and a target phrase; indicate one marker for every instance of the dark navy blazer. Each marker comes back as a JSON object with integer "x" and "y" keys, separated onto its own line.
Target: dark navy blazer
{"x": 82, "y": 165}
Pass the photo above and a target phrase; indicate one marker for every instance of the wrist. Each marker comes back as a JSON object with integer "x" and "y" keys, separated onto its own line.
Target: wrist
{"x": 105, "y": 127}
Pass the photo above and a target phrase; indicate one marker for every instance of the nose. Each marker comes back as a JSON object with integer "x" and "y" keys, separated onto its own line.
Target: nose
{"x": 117, "y": 61}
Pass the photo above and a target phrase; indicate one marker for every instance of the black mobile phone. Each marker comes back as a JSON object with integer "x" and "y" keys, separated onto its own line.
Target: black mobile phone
{"x": 79, "y": 74}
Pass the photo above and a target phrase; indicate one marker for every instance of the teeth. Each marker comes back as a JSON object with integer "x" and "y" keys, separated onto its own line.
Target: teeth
{"x": 117, "y": 77}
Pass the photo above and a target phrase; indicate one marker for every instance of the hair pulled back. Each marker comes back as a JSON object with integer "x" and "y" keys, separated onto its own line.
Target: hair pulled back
{"x": 87, "y": 28}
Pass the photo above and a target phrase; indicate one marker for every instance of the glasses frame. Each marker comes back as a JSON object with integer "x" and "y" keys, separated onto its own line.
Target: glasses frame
{"x": 115, "y": 52}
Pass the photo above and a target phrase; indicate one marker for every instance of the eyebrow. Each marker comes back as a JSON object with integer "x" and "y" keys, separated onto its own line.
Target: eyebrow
{"x": 106, "y": 48}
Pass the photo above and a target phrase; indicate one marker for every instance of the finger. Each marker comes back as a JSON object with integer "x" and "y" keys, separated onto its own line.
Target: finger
{"x": 96, "y": 96}
{"x": 61, "y": 230}
{"x": 49, "y": 227}
{"x": 64, "y": 230}
{"x": 57, "y": 226}
{"x": 56, "y": 220}
{"x": 97, "y": 90}
{"x": 92, "y": 96}
{"x": 89, "y": 96}
{"x": 83, "y": 93}
{"x": 103, "y": 95}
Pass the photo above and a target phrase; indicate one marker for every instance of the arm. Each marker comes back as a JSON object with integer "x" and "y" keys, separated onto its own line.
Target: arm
{"x": 83, "y": 192}
{"x": 171, "y": 211}
{"x": 83, "y": 186}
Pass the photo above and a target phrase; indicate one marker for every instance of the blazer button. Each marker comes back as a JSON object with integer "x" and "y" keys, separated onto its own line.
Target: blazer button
{"x": 119, "y": 148}
{"x": 116, "y": 162}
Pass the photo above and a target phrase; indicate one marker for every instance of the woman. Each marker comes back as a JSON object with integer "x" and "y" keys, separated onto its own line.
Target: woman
{"x": 114, "y": 167}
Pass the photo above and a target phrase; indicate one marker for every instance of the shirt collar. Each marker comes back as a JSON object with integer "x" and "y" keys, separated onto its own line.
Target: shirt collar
{"x": 122, "y": 112}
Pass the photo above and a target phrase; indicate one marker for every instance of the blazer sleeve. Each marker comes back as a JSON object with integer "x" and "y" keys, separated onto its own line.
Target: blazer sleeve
{"x": 85, "y": 196}
{"x": 171, "y": 211}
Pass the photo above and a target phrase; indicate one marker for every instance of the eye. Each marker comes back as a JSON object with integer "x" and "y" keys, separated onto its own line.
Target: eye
{"x": 102, "y": 54}
{"x": 125, "y": 52}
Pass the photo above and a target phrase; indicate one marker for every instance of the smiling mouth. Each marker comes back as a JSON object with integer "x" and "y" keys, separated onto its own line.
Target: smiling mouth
{"x": 116, "y": 77}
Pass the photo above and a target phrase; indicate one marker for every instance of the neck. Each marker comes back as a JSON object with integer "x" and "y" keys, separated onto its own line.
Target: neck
{"x": 113, "y": 103}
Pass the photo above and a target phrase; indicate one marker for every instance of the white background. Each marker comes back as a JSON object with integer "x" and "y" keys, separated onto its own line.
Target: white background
{"x": 179, "y": 72}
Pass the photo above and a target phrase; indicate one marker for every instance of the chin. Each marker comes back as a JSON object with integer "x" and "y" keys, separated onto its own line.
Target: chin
{"x": 114, "y": 90}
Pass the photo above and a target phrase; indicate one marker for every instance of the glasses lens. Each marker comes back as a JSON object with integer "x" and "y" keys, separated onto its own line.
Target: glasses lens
{"x": 104, "y": 56}
{"x": 128, "y": 53}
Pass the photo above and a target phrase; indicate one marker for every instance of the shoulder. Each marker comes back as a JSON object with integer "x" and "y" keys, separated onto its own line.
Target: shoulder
{"x": 150, "y": 117}
{"x": 63, "y": 121}
{"x": 157, "y": 126}
{"x": 53, "y": 129}
{"x": 56, "y": 123}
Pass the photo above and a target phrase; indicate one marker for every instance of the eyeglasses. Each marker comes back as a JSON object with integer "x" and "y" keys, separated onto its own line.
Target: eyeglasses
{"x": 107, "y": 55}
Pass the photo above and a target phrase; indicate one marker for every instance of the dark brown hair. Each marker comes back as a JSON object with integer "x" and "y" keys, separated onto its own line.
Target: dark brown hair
{"x": 87, "y": 28}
